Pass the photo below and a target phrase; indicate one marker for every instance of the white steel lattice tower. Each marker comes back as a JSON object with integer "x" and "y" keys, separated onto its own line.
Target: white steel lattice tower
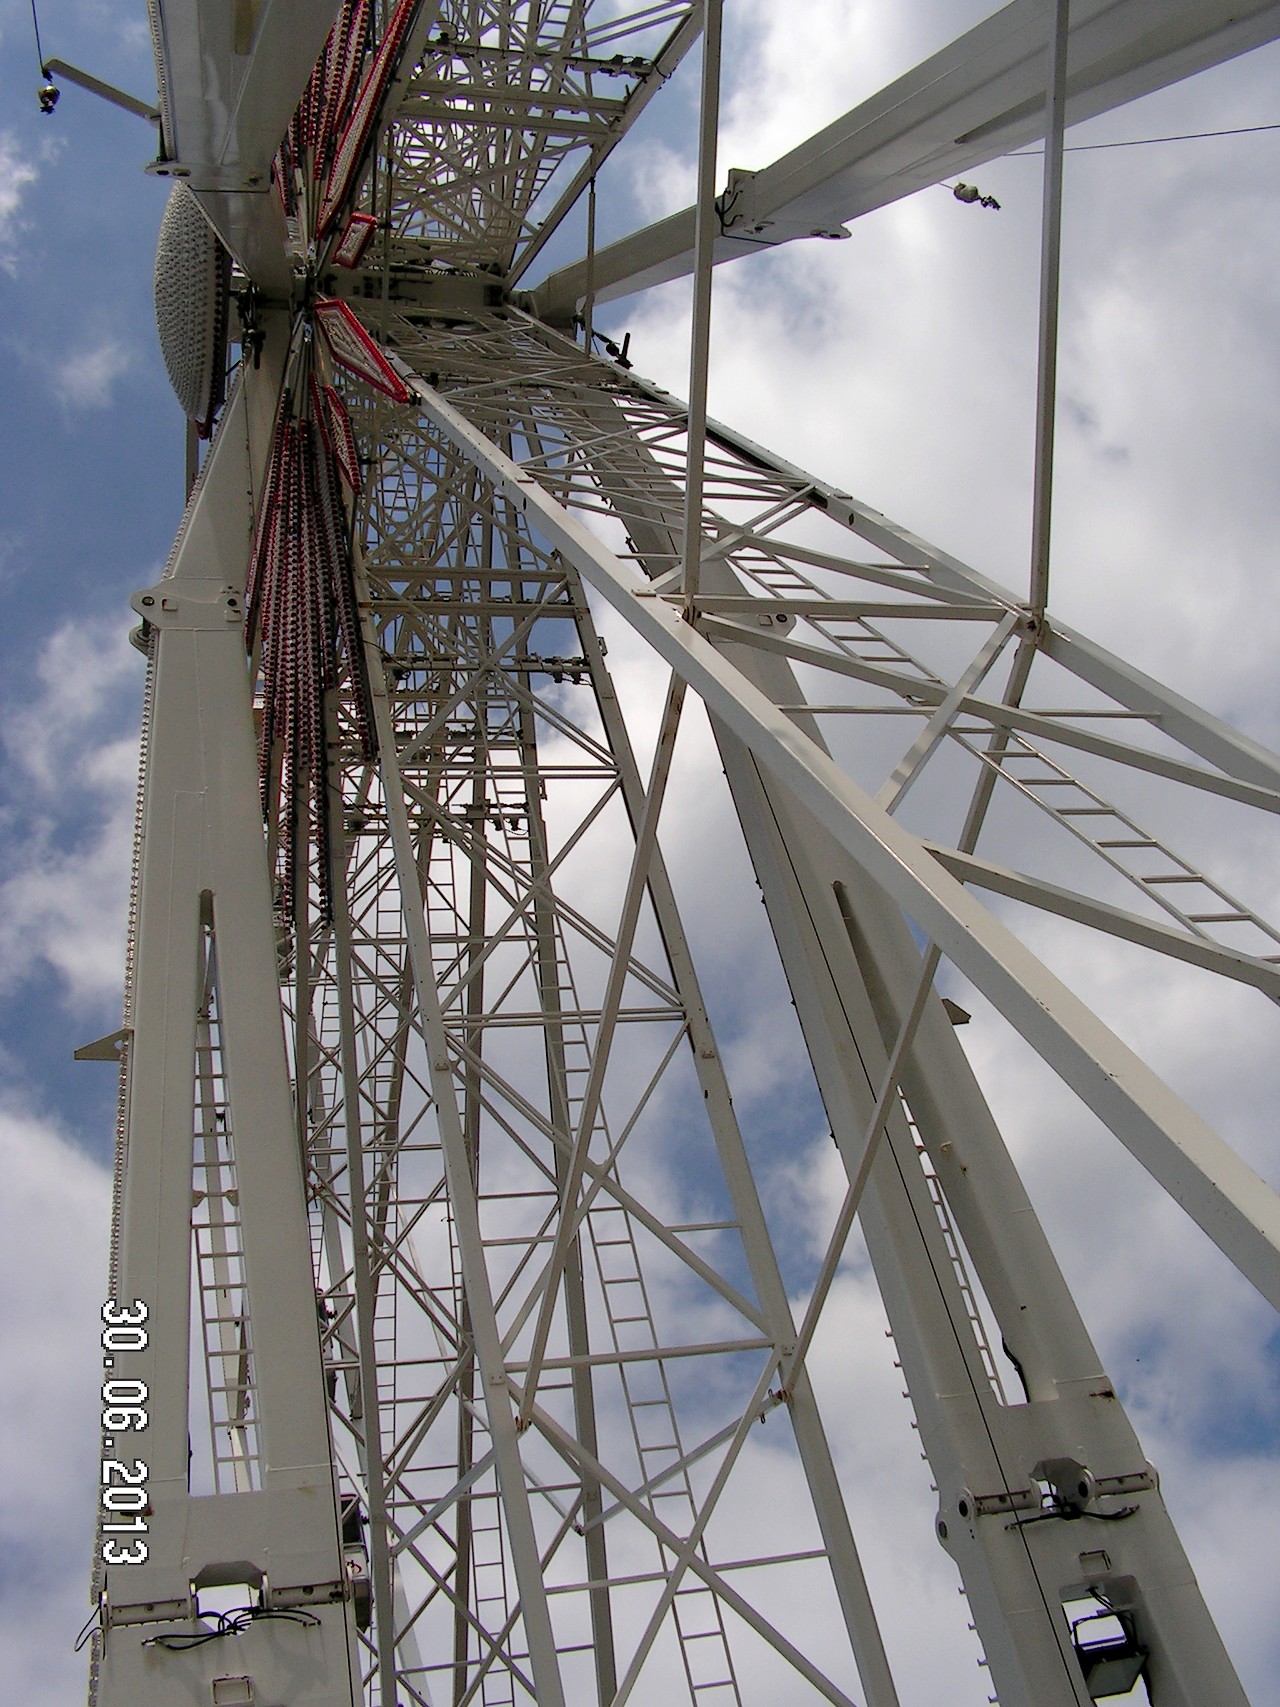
{"x": 448, "y": 1313}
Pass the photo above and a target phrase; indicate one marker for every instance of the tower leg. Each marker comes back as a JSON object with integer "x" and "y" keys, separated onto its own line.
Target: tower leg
{"x": 250, "y": 1517}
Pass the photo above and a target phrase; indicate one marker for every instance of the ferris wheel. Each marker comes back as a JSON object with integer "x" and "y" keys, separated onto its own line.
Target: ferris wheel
{"x": 463, "y": 1342}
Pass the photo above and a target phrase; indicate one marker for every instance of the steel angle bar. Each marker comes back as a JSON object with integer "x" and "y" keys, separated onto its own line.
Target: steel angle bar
{"x": 1218, "y": 1189}
{"x": 575, "y": 1455}
{"x": 484, "y": 1328}
{"x": 691, "y": 1545}
{"x": 705, "y": 221}
{"x": 924, "y": 609}
{"x": 1185, "y": 722}
{"x": 1069, "y": 734}
{"x": 926, "y": 595}
{"x": 640, "y": 1212}
{"x": 402, "y": 1450}
{"x": 1176, "y": 716}
{"x": 660, "y": 69}
{"x": 1050, "y": 257}
{"x": 590, "y": 932}
{"x": 604, "y": 1180}
{"x": 935, "y": 730}
{"x": 649, "y": 1354}
{"x": 695, "y": 1454}
{"x": 635, "y": 1578}
{"x": 521, "y": 900}
{"x": 1000, "y": 715}
{"x": 619, "y": 966}
{"x": 862, "y": 1162}
{"x": 979, "y": 97}
{"x": 571, "y": 1219}
{"x": 930, "y": 691}
{"x": 435, "y": 1512}
{"x": 778, "y": 514}
{"x": 764, "y": 632}
{"x": 494, "y": 1642}
{"x": 1131, "y": 927}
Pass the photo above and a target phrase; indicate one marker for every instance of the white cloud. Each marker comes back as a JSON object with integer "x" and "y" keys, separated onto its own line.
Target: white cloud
{"x": 901, "y": 365}
{"x": 67, "y": 826}
{"x": 53, "y": 1270}
{"x": 16, "y": 174}
{"x": 900, "y": 361}
{"x": 86, "y": 379}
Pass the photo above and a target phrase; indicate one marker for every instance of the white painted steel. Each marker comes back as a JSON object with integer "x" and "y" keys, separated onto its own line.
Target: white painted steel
{"x": 229, "y": 77}
{"x": 454, "y": 1121}
{"x": 203, "y": 865}
{"x": 1218, "y": 1189}
{"x": 700, "y": 333}
{"x": 980, "y": 97}
{"x": 1050, "y": 263}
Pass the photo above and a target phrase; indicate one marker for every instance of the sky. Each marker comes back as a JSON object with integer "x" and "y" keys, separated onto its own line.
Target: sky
{"x": 900, "y": 363}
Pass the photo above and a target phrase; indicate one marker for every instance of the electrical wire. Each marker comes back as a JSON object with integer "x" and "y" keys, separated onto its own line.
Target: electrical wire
{"x": 35, "y": 24}
{"x": 233, "y": 1623}
{"x": 90, "y": 1624}
{"x": 1143, "y": 141}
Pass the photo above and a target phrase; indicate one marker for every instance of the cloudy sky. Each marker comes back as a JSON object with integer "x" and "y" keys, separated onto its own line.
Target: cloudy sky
{"x": 900, "y": 363}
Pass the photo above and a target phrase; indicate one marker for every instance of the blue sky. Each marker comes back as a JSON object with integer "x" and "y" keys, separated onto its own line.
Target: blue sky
{"x": 91, "y": 449}
{"x": 900, "y": 362}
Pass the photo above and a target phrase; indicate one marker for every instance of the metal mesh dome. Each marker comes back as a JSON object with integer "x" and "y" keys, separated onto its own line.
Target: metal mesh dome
{"x": 192, "y": 289}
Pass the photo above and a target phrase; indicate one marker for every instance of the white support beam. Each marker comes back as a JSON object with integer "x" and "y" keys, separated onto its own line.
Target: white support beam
{"x": 981, "y": 96}
{"x": 229, "y": 77}
{"x": 1052, "y": 729}
{"x": 487, "y": 1341}
{"x": 1218, "y": 1190}
{"x": 1100, "y": 916}
{"x": 1181, "y": 719}
{"x": 204, "y": 870}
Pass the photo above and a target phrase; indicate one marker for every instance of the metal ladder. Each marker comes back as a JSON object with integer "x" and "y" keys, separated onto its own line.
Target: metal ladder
{"x": 218, "y": 1260}
{"x": 1111, "y": 834}
{"x": 1204, "y": 907}
{"x": 490, "y": 1598}
{"x": 697, "y": 1613}
{"x": 855, "y": 636}
{"x": 955, "y": 1251}
{"x": 699, "y": 1620}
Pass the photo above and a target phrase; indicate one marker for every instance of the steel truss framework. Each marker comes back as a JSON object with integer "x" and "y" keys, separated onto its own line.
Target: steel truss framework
{"x": 479, "y": 1296}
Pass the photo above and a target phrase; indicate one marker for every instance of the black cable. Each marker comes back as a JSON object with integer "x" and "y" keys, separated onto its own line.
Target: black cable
{"x": 87, "y": 1628}
{"x": 35, "y": 24}
{"x": 233, "y": 1623}
{"x": 1140, "y": 141}
{"x": 179, "y": 1641}
{"x": 1072, "y": 1514}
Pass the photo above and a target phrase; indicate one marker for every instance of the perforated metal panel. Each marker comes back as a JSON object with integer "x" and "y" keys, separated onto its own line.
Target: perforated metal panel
{"x": 192, "y": 287}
